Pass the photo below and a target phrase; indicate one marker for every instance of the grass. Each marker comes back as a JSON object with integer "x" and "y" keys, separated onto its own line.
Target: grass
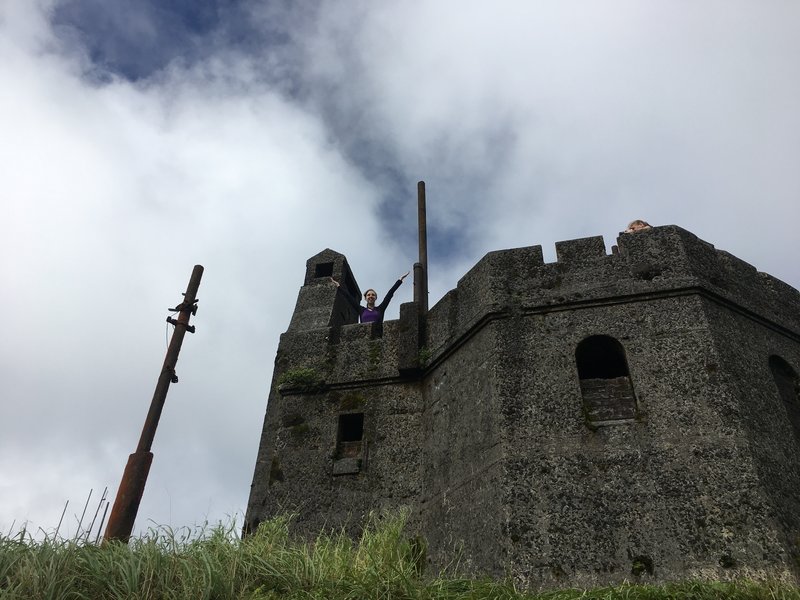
{"x": 270, "y": 565}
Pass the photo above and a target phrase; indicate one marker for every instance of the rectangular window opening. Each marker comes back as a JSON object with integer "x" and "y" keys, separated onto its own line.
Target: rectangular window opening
{"x": 350, "y": 435}
{"x": 323, "y": 269}
{"x": 351, "y": 427}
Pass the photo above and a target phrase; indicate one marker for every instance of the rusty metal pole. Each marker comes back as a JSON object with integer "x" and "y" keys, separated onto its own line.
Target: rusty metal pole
{"x": 418, "y": 285}
{"x": 134, "y": 478}
{"x": 423, "y": 246}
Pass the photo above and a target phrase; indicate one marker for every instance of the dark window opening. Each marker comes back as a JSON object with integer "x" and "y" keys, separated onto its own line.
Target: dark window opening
{"x": 605, "y": 381}
{"x": 601, "y": 357}
{"x": 788, "y": 384}
{"x": 323, "y": 269}
{"x": 350, "y": 436}
{"x": 351, "y": 427}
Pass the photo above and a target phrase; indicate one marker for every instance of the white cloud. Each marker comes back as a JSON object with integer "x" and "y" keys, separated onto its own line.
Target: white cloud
{"x": 110, "y": 194}
{"x": 569, "y": 119}
{"x": 530, "y": 122}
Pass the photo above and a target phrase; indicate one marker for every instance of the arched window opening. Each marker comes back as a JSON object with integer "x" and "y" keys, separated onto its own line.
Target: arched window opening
{"x": 605, "y": 381}
{"x": 788, "y": 384}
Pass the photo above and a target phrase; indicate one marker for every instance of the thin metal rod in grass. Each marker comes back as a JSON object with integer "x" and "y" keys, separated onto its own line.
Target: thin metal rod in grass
{"x": 97, "y": 510}
{"x": 63, "y": 512}
{"x": 103, "y": 520}
{"x": 78, "y": 532}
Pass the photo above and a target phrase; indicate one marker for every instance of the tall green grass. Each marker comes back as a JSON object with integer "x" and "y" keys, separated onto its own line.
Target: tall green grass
{"x": 270, "y": 564}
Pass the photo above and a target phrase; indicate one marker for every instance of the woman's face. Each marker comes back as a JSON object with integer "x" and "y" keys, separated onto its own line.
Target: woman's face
{"x": 371, "y": 296}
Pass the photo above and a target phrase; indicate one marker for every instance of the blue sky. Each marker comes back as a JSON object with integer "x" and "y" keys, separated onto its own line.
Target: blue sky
{"x": 134, "y": 40}
{"x": 142, "y": 138}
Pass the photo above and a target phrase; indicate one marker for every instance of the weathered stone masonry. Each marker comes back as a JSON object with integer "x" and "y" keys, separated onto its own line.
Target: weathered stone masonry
{"x": 603, "y": 417}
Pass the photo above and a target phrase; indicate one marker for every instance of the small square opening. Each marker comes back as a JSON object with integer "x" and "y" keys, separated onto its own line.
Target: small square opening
{"x": 349, "y": 437}
{"x": 323, "y": 269}
{"x": 351, "y": 427}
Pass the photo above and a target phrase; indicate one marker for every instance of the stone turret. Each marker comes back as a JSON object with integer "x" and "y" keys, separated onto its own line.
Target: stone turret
{"x": 318, "y": 304}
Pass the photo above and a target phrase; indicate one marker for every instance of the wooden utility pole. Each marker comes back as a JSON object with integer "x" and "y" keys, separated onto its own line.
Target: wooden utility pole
{"x": 134, "y": 478}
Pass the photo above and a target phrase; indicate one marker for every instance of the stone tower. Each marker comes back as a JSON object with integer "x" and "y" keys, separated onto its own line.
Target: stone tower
{"x": 632, "y": 415}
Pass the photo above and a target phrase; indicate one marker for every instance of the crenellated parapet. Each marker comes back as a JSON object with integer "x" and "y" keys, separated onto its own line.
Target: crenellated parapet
{"x": 662, "y": 261}
{"x": 655, "y": 262}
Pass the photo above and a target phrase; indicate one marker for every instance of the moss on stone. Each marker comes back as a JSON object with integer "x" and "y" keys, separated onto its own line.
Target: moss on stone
{"x": 275, "y": 471}
{"x": 305, "y": 378}
{"x": 299, "y": 430}
{"x": 352, "y": 401}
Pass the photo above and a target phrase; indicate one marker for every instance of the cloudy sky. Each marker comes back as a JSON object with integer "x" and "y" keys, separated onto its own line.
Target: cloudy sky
{"x": 139, "y": 139}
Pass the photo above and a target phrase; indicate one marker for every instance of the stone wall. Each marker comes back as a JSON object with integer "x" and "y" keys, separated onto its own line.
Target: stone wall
{"x": 461, "y": 503}
{"x": 636, "y": 499}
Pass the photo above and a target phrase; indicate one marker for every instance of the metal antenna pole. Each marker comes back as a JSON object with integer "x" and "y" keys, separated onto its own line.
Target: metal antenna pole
{"x": 131, "y": 488}
{"x": 423, "y": 247}
{"x": 96, "y": 512}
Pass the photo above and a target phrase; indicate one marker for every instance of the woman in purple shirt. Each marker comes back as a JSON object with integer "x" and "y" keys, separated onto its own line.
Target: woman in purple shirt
{"x": 371, "y": 313}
